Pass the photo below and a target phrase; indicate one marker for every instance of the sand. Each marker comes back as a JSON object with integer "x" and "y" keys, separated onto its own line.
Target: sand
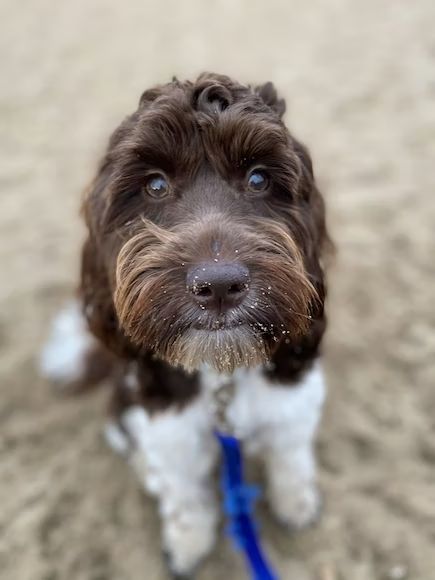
{"x": 360, "y": 86}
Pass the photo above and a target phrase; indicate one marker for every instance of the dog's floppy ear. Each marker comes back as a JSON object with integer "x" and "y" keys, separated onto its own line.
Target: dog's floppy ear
{"x": 95, "y": 287}
{"x": 314, "y": 206}
{"x": 270, "y": 96}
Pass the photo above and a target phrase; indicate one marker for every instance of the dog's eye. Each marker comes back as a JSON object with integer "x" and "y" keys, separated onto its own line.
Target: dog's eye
{"x": 157, "y": 186}
{"x": 258, "y": 181}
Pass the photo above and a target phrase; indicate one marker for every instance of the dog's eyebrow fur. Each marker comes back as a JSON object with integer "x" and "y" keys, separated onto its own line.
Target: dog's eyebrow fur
{"x": 170, "y": 118}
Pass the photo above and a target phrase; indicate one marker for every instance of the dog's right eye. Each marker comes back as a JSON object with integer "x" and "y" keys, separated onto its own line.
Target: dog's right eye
{"x": 157, "y": 186}
{"x": 258, "y": 181}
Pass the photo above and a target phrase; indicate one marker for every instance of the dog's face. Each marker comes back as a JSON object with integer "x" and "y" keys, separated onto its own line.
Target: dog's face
{"x": 209, "y": 225}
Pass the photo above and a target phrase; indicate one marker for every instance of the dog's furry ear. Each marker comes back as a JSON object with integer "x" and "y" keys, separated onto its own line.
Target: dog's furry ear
{"x": 305, "y": 159}
{"x": 269, "y": 95}
{"x": 96, "y": 294}
{"x": 314, "y": 203}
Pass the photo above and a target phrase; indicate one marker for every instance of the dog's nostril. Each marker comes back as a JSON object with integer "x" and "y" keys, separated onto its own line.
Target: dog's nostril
{"x": 202, "y": 291}
{"x": 237, "y": 288}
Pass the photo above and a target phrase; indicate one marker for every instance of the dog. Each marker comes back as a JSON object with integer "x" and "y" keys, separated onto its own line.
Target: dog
{"x": 203, "y": 265}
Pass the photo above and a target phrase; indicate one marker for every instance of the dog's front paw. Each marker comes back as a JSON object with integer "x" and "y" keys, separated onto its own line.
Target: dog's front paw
{"x": 173, "y": 575}
{"x": 187, "y": 541}
{"x": 296, "y": 508}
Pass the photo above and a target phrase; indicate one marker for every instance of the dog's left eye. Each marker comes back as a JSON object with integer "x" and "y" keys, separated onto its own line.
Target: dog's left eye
{"x": 258, "y": 181}
{"x": 157, "y": 186}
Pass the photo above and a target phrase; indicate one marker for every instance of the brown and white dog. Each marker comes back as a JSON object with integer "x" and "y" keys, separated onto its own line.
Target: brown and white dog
{"x": 203, "y": 264}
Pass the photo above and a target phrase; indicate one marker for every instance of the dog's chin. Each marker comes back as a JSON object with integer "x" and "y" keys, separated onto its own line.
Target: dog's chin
{"x": 222, "y": 349}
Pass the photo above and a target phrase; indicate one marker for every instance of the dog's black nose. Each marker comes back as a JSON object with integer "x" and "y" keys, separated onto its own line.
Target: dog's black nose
{"x": 218, "y": 286}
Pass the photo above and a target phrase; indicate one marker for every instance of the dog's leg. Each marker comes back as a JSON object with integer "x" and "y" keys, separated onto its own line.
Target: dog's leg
{"x": 280, "y": 421}
{"x": 173, "y": 453}
{"x": 72, "y": 358}
{"x": 290, "y": 461}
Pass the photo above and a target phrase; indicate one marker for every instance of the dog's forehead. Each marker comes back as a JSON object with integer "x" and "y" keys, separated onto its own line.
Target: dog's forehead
{"x": 235, "y": 134}
{"x": 209, "y": 188}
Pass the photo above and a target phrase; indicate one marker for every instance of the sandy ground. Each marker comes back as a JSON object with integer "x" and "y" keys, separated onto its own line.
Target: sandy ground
{"x": 360, "y": 82}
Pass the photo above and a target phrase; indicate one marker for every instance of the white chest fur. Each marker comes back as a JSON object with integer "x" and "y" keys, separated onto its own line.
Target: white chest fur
{"x": 259, "y": 407}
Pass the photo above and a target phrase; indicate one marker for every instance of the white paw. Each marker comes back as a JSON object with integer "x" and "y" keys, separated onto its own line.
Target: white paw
{"x": 63, "y": 358}
{"x": 296, "y": 507}
{"x": 188, "y": 538}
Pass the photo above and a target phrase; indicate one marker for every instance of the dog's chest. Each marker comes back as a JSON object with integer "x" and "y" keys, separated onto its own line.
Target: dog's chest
{"x": 256, "y": 406}
{"x": 228, "y": 401}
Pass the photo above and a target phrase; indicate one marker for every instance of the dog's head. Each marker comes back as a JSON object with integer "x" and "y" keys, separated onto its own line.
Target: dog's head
{"x": 209, "y": 226}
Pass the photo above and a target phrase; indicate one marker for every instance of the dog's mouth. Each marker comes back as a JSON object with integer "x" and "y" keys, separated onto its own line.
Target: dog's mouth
{"x": 218, "y": 322}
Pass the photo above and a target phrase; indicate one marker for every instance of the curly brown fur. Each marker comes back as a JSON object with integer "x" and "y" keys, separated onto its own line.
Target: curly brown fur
{"x": 205, "y": 136}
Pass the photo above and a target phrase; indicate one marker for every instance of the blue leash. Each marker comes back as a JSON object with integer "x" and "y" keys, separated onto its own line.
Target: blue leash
{"x": 239, "y": 499}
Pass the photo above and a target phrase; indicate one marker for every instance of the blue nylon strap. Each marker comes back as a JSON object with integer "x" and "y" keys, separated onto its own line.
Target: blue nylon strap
{"x": 239, "y": 501}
